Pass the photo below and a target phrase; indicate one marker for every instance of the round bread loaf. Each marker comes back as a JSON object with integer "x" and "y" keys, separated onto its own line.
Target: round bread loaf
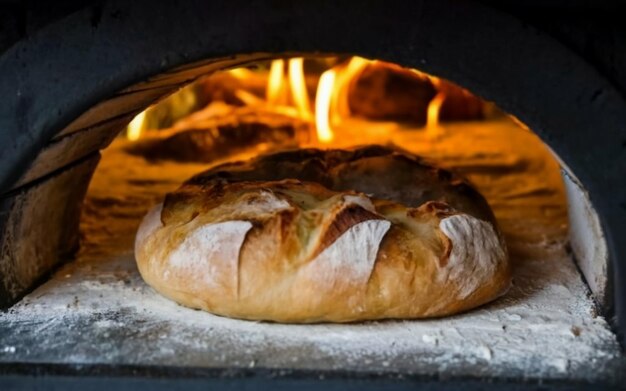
{"x": 313, "y": 236}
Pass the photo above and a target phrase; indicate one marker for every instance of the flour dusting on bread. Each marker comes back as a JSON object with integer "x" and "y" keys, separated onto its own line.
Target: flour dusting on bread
{"x": 476, "y": 252}
{"x": 210, "y": 255}
{"x": 262, "y": 202}
{"x": 360, "y": 200}
{"x": 349, "y": 261}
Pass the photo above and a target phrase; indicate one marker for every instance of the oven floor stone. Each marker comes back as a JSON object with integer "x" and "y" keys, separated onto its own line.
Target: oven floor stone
{"x": 97, "y": 310}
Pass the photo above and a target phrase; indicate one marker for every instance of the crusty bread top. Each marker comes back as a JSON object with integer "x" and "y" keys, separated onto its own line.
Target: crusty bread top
{"x": 381, "y": 172}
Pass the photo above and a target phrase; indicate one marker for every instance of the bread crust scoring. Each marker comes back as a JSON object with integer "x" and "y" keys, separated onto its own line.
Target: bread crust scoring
{"x": 287, "y": 250}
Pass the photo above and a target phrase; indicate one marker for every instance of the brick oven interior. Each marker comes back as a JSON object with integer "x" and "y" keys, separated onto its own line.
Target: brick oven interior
{"x": 78, "y": 175}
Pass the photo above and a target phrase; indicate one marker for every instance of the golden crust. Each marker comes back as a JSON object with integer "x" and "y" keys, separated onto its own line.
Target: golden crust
{"x": 292, "y": 251}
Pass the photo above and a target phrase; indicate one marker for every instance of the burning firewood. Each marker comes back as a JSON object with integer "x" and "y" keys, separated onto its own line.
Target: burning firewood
{"x": 273, "y": 108}
{"x": 389, "y": 92}
{"x": 223, "y": 86}
{"x": 383, "y": 92}
{"x": 206, "y": 137}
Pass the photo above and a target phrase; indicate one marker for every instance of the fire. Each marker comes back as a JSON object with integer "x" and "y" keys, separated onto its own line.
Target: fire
{"x": 332, "y": 99}
{"x": 298, "y": 87}
{"x": 135, "y": 127}
{"x": 322, "y": 106}
{"x": 240, "y": 73}
{"x": 283, "y": 90}
{"x": 341, "y": 106}
{"x": 275, "y": 81}
{"x": 434, "y": 107}
{"x": 248, "y": 98}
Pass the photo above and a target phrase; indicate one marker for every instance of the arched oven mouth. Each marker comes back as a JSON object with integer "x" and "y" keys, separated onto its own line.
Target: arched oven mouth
{"x": 284, "y": 104}
{"x": 74, "y": 194}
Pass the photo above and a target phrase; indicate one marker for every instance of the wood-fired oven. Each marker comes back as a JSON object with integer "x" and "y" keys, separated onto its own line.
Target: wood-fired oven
{"x": 109, "y": 105}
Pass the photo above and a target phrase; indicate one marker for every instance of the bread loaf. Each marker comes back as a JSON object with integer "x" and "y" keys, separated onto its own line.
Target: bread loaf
{"x": 242, "y": 241}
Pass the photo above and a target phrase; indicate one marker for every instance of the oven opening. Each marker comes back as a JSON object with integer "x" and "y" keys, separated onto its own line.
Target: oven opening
{"x": 549, "y": 323}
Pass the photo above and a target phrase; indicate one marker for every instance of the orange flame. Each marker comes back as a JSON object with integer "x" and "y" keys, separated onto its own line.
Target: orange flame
{"x": 322, "y": 106}
{"x": 275, "y": 81}
{"x": 286, "y": 93}
{"x": 298, "y": 87}
{"x": 248, "y": 98}
{"x": 135, "y": 127}
{"x": 341, "y": 105}
{"x": 434, "y": 107}
{"x": 240, "y": 73}
{"x": 332, "y": 98}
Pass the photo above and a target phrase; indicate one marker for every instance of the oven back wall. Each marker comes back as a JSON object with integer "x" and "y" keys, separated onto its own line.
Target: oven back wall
{"x": 66, "y": 79}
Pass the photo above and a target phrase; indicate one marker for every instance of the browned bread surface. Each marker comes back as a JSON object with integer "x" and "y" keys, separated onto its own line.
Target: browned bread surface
{"x": 406, "y": 240}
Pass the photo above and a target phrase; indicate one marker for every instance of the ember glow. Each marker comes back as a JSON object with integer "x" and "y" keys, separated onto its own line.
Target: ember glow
{"x": 240, "y": 73}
